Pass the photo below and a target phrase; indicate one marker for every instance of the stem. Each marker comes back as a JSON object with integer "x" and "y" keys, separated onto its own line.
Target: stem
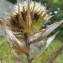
{"x": 28, "y": 58}
{"x": 28, "y": 46}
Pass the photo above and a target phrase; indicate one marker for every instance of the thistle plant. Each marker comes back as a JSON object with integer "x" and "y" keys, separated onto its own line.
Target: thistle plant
{"x": 27, "y": 21}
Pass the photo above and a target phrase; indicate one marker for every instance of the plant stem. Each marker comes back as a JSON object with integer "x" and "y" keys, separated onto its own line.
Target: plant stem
{"x": 28, "y": 46}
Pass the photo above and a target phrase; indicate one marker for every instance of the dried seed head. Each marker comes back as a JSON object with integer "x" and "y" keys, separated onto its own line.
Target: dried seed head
{"x": 27, "y": 14}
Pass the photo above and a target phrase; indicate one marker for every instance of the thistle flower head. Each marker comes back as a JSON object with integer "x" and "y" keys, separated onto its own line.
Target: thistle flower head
{"x": 28, "y": 16}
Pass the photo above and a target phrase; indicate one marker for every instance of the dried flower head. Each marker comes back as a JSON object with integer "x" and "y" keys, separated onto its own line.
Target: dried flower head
{"x": 28, "y": 17}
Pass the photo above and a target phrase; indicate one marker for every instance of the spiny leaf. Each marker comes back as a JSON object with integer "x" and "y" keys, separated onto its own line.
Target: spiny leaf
{"x": 50, "y": 39}
{"x": 46, "y": 45}
{"x": 47, "y": 31}
{"x": 51, "y": 28}
{"x": 12, "y": 40}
